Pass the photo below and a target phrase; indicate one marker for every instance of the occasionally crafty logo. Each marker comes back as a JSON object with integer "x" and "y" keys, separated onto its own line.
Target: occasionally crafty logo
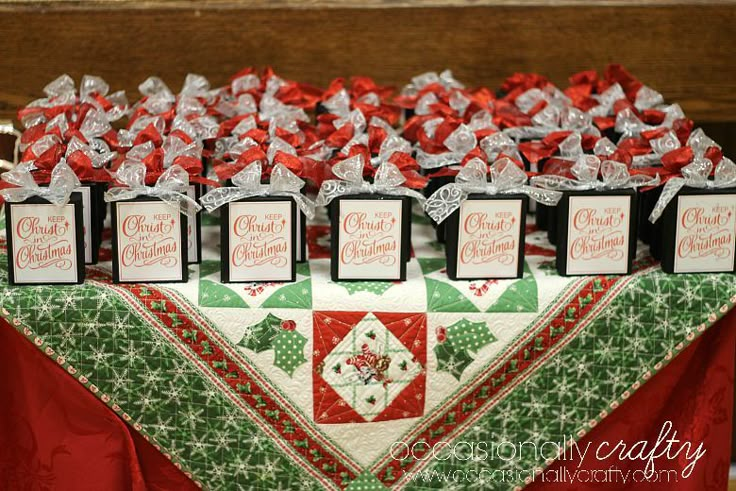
{"x": 667, "y": 459}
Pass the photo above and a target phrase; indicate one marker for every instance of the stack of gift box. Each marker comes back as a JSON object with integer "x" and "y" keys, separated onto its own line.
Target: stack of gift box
{"x": 600, "y": 164}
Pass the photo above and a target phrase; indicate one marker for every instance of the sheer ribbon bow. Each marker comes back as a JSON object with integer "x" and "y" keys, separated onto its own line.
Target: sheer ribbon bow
{"x": 506, "y": 178}
{"x": 170, "y": 187}
{"x": 247, "y": 184}
{"x": 696, "y": 175}
{"x": 388, "y": 180}
{"x": 615, "y": 175}
{"x": 62, "y": 184}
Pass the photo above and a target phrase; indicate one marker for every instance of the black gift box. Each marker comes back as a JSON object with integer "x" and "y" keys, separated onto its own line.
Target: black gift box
{"x": 504, "y": 229}
{"x": 541, "y": 216}
{"x": 100, "y": 211}
{"x": 433, "y": 185}
{"x": 404, "y": 205}
{"x": 301, "y": 234}
{"x": 100, "y": 214}
{"x": 596, "y": 232}
{"x": 698, "y": 231}
{"x": 406, "y": 240}
{"x": 647, "y": 200}
{"x": 194, "y": 247}
{"x": 226, "y": 274}
{"x": 182, "y": 272}
{"x": 26, "y": 245}
{"x": 301, "y": 237}
{"x": 92, "y": 216}
{"x": 552, "y": 213}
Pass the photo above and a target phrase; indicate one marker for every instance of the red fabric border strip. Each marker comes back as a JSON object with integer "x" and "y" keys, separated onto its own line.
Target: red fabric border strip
{"x": 55, "y": 434}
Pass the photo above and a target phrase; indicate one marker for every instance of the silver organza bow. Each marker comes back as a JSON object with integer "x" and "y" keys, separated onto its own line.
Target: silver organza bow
{"x": 615, "y": 175}
{"x": 170, "y": 187}
{"x": 556, "y": 118}
{"x": 247, "y": 184}
{"x": 461, "y": 141}
{"x": 629, "y": 124}
{"x": 391, "y": 145}
{"x": 696, "y": 175}
{"x": 62, "y": 184}
{"x": 388, "y": 180}
{"x": 506, "y": 178}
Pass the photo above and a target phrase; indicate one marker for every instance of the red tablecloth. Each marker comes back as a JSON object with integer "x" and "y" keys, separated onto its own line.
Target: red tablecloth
{"x": 55, "y": 435}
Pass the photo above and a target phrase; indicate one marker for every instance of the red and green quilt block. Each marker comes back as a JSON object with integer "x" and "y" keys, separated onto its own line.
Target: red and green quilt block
{"x": 280, "y": 336}
{"x": 212, "y": 293}
{"x": 458, "y": 345}
{"x": 445, "y": 295}
{"x": 369, "y": 366}
{"x": 382, "y": 296}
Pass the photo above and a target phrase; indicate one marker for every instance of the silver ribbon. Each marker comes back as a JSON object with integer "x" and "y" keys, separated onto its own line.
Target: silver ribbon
{"x": 391, "y": 145}
{"x": 555, "y": 118}
{"x": 506, "y": 178}
{"x": 696, "y": 175}
{"x": 388, "y": 180}
{"x": 461, "y": 141}
{"x": 98, "y": 159}
{"x": 174, "y": 147}
{"x": 606, "y": 100}
{"x": 170, "y": 187}
{"x": 629, "y": 125}
{"x": 62, "y": 184}
{"x": 615, "y": 175}
{"x": 446, "y": 79}
{"x": 247, "y": 184}
{"x": 660, "y": 146}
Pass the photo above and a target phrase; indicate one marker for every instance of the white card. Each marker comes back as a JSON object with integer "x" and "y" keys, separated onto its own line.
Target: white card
{"x": 705, "y": 237}
{"x": 260, "y": 241}
{"x": 87, "y": 222}
{"x": 369, "y": 239}
{"x": 149, "y": 241}
{"x": 598, "y": 234}
{"x": 192, "y": 235}
{"x": 488, "y": 238}
{"x": 44, "y": 243}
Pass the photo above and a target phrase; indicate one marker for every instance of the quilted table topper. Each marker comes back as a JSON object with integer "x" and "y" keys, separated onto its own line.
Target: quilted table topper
{"x": 312, "y": 384}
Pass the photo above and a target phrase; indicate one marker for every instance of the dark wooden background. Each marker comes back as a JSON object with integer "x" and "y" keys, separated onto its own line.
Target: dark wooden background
{"x": 683, "y": 50}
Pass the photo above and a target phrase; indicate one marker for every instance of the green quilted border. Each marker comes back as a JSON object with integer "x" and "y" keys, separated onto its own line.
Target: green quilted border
{"x": 571, "y": 404}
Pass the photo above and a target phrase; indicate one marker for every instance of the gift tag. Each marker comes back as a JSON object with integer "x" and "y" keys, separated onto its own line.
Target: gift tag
{"x": 87, "y": 222}
{"x": 705, "y": 237}
{"x": 261, "y": 240}
{"x": 489, "y": 237}
{"x": 149, "y": 241}
{"x": 44, "y": 243}
{"x": 598, "y": 232}
{"x": 370, "y": 239}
